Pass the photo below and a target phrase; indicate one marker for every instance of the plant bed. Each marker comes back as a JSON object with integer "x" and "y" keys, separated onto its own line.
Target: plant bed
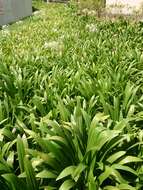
{"x": 71, "y": 102}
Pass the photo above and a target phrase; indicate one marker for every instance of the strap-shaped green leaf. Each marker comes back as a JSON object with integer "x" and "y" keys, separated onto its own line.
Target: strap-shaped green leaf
{"x": 67, "y": 171}
{"x": 68, "y": 184}
{"x": 30, "y": 175}
{"x": 116, "y": 156}
{"x": 130, "y": 159}
{"x": 21, "y": 153}
{"x": 46, "y": 174}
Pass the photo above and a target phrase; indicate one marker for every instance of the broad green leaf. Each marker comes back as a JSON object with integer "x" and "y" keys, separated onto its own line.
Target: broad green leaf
{"x": 105, "y": 174}
{"x": 38, "y": 103}
{"x": 118, "y": 177}
{"x": 116, "y": 111}
{"x": 14, "y": 181}
{"x": 63, "y": 110}
{"x": 30, "y": 175}
{"x": 111, "y": 188}
{"x": 92, "y": 185}
{"x": 7, "y": 133}
{"x": 58, "y": 139}
{"x": 46, "y": 157}
{"x": 52, "y": 147}
{"x": 116, "y": 156}
{"x": 49, "y": 188}
{"x": 4, "y": 168}
{"x": 3, "y": 121}
{"x": 46, "y": 174}
{"x": 111, "y": 145}
{"x": 31, "y": 133}
{"x": 22, "y": 175}
{"x": 121, "y": 125}
{"x": 124, "y": 168}
{"x": 126, "y": 186}
{"x": 67, "y": 171}
{"x": 77, "y": 172}
{"x": 10, "y": 159}
{"x": 6, "y": 147}
{"x": 68, "y": 184}
{"x": 130, "y": 159}
{"x": 21, "y": 153}
{"x": 4, "y": 184}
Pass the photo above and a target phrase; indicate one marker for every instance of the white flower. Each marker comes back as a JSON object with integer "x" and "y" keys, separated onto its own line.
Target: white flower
{"x": 4, "y": 27}
{"x": 141, "y": 58}
{"x": 1, "y": 51}
{"x": 36, "y": 12}
{"x": 19, "y": 22}
{"x": 5, "y": 32}
{"x": 1, "y": 137}
{"x": 53, "y": 45}
{"x": 55, "y": 30}
{"x": 92, "y": 13}
{"x": 14, "y": 130}
{"x": 85, "y": 11}
{"x": 62, "y": 37}
{"x": 91, "y": 27}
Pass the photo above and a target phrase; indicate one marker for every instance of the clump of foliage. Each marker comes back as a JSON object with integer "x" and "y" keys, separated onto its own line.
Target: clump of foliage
{"x": 71, "y": 102}
{"x": 96, "y": 5}
{"x": 92, "y": 3}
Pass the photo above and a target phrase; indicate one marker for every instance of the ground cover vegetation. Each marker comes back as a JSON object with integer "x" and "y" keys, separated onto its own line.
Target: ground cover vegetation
{"x": 71, "y": 102}
{"x": 95, "y": 5}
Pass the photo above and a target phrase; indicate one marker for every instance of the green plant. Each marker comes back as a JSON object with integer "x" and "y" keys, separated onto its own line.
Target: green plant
{"x": 83, "y": 154}
{"x": 71, "y": 102}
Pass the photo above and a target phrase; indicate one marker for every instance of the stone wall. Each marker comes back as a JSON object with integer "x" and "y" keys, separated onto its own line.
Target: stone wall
{"x": 13, "y": 10}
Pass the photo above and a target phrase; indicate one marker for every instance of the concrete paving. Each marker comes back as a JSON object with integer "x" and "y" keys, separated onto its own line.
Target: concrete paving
{"x": 126, "y": 7}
